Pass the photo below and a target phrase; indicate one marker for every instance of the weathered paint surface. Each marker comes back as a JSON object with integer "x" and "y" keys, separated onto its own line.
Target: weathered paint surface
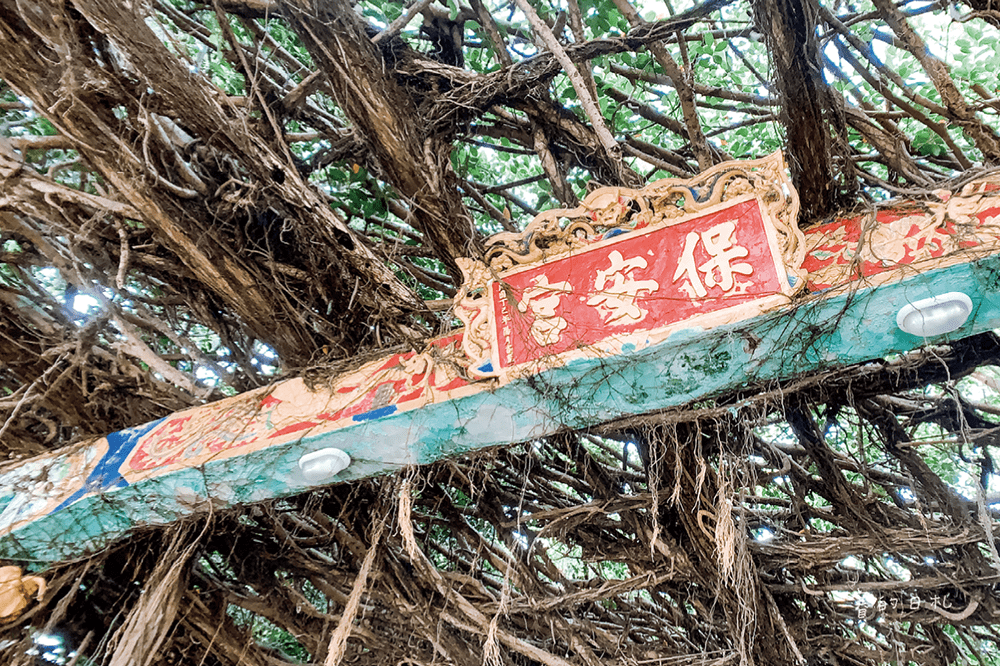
{"x": 417, "y": 408}
{"x": 873, "y": 247}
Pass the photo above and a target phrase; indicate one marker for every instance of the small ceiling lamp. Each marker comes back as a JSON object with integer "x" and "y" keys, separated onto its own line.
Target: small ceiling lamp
{"x": 324, "y": 464}
{"x": 936, "y": 315}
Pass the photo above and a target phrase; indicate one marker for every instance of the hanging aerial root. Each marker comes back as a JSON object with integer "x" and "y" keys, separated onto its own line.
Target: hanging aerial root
{"x": 491, "y": 648}
{"x": 735, "y": 565}
{"x": 338, "y": 641}
{"x": 138, "y": 641}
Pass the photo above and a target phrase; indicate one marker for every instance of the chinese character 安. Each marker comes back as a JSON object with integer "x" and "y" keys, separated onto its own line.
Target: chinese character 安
{"x": 617, "y": 290}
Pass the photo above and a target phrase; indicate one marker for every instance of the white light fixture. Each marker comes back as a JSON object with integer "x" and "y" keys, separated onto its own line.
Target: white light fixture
{"x": 936, "y": 315}
{"x": 323, "y": 464}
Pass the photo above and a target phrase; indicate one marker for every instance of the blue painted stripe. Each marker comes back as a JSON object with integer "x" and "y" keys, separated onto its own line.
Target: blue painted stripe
{"x": 375, "y": 413}
{"x": 106, "y": 475}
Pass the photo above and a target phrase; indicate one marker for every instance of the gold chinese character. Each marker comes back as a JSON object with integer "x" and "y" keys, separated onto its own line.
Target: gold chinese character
{"x": 617, "y": 290}
{"x": 722, "y": 248}
{"x": 542, "y": 300}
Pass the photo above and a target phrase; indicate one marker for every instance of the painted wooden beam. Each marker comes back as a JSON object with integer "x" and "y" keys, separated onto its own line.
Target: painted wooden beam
{"x": 634, "y": 302}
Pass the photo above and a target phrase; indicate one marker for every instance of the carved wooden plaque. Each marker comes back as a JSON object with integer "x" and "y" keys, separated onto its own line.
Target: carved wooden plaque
{"x": 627, "y": 267}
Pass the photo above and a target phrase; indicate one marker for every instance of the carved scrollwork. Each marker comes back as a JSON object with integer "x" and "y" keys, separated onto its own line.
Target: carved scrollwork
{"x": 472, "y": 307}
{"x": 609, "y": 211}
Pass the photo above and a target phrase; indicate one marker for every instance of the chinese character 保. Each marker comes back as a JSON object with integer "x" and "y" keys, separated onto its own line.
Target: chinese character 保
{"x": 617, "y": 290}
{"x": 543, "y": 299}
{"x": 722, "y": 249}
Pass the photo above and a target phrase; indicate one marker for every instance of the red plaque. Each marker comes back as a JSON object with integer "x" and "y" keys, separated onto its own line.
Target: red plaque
{"x": 638, "y": 281}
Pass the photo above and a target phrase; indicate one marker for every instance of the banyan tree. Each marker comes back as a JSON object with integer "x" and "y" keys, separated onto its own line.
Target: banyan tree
{"x": 311, "y": 350}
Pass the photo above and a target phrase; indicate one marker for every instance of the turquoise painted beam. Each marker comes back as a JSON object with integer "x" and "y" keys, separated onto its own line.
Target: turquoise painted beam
{"x": 634, "y": 302}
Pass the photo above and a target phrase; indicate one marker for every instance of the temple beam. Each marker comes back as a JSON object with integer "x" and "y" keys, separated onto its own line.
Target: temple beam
{"x": 668, "y": 326}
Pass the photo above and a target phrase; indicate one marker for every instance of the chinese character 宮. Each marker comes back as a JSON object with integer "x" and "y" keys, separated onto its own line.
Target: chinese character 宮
{"x": 542, "y": 300}
{"x": 617, "y": 290}
{"x": 720, "y": 269}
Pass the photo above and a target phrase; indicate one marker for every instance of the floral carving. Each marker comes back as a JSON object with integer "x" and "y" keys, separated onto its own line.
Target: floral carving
{"x": 613, "y": 210}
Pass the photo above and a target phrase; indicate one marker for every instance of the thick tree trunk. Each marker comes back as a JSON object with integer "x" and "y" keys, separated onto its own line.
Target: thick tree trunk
{"x": 415, "y": 161}
{"x": 814, "y": 146}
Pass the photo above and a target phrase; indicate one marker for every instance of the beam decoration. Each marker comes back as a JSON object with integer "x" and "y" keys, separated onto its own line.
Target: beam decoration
{"x": 636, "y": 301}
{"x": 890, "y": 242}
